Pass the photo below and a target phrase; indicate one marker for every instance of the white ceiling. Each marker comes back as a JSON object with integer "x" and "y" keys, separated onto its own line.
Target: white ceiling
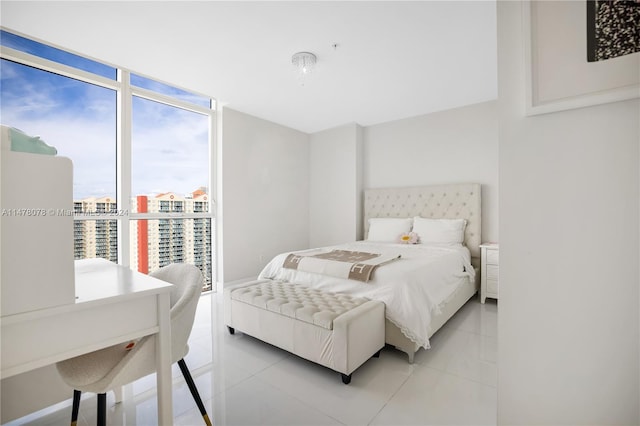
{"x": 394, "y": 59}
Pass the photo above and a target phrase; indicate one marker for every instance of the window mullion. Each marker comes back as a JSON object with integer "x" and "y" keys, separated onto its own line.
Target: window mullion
{"x": 57, "y": 68}
{"x": 168, "y": 100}
{"x": 124, "y": 118}
{"x": 213, "y": 196}
{"x": 170, "y": 215}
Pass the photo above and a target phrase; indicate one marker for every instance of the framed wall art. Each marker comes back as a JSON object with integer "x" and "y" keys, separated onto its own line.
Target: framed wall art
{"x": 580, "y": 53}
{"x": 613, "y": 29}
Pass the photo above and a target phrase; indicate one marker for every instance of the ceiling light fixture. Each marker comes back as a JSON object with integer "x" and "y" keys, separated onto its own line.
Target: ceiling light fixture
{"x": 304, "y": 62}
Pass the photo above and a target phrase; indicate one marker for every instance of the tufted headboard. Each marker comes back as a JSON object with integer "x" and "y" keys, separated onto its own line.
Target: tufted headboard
{"x": 454, "y": 201}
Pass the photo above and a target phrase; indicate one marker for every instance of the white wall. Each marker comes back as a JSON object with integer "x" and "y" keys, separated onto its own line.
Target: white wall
{"x": 335, "y": 185}
{"x": 27, "y": 393}
{"x": 458, "y": 145}
{"x": 568, "y": 327}
{"x": 454, "y": 146}
{"x": 265, "y": 193}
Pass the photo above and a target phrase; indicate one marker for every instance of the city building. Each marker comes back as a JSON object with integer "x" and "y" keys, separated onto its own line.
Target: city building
{"x": 95, "y": 238}
{"x": 154, "y": 242}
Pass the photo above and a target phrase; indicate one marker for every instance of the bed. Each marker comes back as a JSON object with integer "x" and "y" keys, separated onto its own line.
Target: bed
{"x": 429, "y": 282}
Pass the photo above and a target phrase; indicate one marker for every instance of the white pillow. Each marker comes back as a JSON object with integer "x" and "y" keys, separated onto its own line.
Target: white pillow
{"x": 447, "y": 231}
{"x": 388, "y": 229}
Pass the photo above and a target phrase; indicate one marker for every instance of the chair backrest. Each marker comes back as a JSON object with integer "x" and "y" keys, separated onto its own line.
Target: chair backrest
{"x": 187, "y": 281}
{"x": 129, "y": 365}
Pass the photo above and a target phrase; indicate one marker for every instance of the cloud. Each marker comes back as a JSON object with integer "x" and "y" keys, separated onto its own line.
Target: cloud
{"x": 169, "y": 147}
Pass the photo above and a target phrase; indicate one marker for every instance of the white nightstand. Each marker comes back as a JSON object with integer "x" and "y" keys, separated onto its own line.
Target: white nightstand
{"x": 490, "y": 253}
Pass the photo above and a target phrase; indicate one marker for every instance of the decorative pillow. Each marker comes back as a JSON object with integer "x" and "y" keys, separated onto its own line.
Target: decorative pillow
{"x": 388, "y": 229}
{"x": 449, "y": 231}
{"x": 408, "y": 238}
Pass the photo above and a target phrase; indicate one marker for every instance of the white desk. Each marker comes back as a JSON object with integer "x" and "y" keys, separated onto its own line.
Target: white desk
{"x": 113, "y": 304}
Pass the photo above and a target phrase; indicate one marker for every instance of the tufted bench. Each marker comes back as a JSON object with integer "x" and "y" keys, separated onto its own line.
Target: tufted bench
{"x": 334, "y": 330}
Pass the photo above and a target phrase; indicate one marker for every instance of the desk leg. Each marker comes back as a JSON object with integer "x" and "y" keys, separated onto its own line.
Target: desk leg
{"x": 163, "y": 363}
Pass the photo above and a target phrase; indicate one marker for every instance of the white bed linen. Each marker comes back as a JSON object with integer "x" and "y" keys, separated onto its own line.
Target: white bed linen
{"x": 412, "y": 287}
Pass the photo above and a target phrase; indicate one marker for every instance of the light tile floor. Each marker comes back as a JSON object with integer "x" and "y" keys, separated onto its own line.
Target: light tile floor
{"x": 246, "y": 382}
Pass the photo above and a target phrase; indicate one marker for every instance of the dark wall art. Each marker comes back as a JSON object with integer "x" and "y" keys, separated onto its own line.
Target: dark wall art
{"x": 613, "y": 28}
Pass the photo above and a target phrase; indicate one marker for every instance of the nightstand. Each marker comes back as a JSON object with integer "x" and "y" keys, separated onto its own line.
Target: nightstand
{"x": 490, "y": 254}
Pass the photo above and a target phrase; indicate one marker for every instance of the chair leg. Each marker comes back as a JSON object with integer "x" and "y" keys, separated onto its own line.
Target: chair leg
{"x": 194, "y": 391}
{"x": 75, "y": 407}
{"x": 102, "y": 409}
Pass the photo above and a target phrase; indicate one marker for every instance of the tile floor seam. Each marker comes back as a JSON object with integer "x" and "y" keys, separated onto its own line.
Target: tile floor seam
{"x": 263, "y": 381}
{"x": 391, "y": 397}
{"x": 460, "y": 377}
{"x": 464, "y": 377}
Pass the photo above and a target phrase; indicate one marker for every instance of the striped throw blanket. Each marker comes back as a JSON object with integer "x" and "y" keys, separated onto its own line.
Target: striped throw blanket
{"x": 354, "y": 265}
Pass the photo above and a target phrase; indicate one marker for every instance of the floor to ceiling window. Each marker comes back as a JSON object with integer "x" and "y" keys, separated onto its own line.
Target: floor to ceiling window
{"x": 172, "y": 225}
{"x": 141, "y": 152}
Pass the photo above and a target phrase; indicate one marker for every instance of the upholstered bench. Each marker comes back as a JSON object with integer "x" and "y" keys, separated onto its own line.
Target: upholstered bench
{"x": 331, "y": 329}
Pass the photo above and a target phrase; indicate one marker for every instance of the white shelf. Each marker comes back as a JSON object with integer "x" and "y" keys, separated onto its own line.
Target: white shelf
{"x": 36, "y": 248}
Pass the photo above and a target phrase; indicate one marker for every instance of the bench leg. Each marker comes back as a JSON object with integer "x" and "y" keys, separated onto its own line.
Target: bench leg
{"x": 231, "y": 330}
{"x": 346, "y": 379}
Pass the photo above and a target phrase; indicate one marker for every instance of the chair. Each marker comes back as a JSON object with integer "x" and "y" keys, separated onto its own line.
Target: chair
{"x": 115, "y": 366}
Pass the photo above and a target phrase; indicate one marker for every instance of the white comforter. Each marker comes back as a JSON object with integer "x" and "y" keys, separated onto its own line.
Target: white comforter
{"x": 412, "y": 287}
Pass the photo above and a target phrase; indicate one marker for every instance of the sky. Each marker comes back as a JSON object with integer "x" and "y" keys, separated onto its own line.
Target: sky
{"x": 169, "y": 145}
